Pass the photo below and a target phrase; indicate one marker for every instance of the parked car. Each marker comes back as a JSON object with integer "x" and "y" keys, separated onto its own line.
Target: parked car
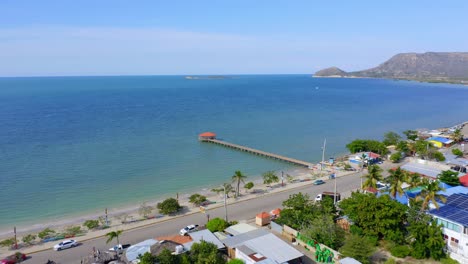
{"x": 119, "y": 248}
{"x": 188, "y": 229}
{"x": 65, "y": 244}
{"x": 318, "y": 182}
{"x": 13, "y": 259}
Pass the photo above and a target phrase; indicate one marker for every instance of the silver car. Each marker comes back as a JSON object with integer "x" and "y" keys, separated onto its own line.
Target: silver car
{"x": 65, "y": 244}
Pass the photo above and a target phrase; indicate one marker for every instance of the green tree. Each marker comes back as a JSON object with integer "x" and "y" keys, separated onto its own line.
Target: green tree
{"x": 270, "y": 177}
{"x": 205, "y": 253}
{"x": 449, "y": 177}
{"x": 414, "y": 179}
{"x": 298, "y": 211}
{"x": 429, "y": 193}
{"x": 411, "y": 134}
{"x": 217, "y": 224}
{"x": 425, "y": 239}
{"x": 396, "y": 179}
{"x": 46, "y": 233}
{"x": 374, "y": 174}
{"x": 114, "y": 234}
{"x": 226, "y": 186}
{"x": 148, "y": 258}
{"x": 457, "y": 135}
{"x": 457, "y": 152}
{"x": 391, "y": 138}
{"x": 238, "y": 177}
{"x": 360, "y": 145}
{"x": 423, "y": 148}
{"x": 249, "y": 185}
{"x": 395, "y": 157}
{"x": 29, "y": 239}
{"x": 197, "y": 199}
{"x": 91, "y": 224}
{"x": 438, "y": 155}
{"x": 359, "y": 248}
{"x": 9, "y": 242}
{"x": 236, "y": 261}
{"x": 324, "y": 230}
{"x": 376, "y": 216}
{"x": 169, "y": 206}
{"x": 402, "y": 146}
{"x": 145, "y": 210}
{"x": 166, "y": 257}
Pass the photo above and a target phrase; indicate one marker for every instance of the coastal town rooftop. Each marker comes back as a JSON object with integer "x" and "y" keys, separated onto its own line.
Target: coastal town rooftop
{"x": 455, "y": 210}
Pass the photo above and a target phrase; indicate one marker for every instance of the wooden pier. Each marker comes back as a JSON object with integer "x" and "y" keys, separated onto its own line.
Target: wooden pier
{"x": 258, "y": 152}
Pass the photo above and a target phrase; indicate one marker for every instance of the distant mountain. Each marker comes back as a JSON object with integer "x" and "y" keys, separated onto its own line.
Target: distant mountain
{"x": 429, "y": 66}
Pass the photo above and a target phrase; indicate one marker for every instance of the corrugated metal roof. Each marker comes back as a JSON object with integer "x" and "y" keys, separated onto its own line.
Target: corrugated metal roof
{"x": 239, "y": 229}
{"x": 421, "y": 169}
{"x": 454, "y": 190}
{"x": 349, "y": 261}
{"x": 246, "y": 250}
{"x": 240, "y": 239}
{"x": 273, "y": 248}
{"x": 205, "y": 235}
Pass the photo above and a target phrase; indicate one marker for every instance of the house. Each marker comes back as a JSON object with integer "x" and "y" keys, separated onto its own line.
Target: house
{"x": 261, "y": 246}
{"x": 453, "y": 216}
{"x": 460, "y": 163}
{"x": 425, "y": 168}
{"x": 454, "y": 190}
{"x": 440, "y": 142}
{"x": 132, "y": 253}
{"x": 240, "y": 228}
{"x": 204, "y": 235}
{"x": 369, "y": 158}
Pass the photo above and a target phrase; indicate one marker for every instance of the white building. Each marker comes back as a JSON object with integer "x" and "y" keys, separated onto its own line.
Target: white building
{"x": 454, "y": 217}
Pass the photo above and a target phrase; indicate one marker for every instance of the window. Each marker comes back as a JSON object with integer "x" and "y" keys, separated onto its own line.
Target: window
{"x": 446, "y": 237}
{"x": 449, "y": 225}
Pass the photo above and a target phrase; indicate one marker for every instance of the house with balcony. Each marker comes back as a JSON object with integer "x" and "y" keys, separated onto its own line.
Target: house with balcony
{"x": 453, "y": 216}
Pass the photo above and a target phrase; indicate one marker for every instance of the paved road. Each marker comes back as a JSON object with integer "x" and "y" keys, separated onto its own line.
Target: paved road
{"x": 239, "y": 211}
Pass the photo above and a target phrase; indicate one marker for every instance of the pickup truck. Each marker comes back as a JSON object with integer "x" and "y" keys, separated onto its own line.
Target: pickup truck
{"x": 321, "y": 196}
{"x": 119, "y": 248}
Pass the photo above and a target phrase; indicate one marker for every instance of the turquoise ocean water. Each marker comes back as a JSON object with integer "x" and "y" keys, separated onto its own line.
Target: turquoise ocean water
{"x": 73, "y": 144}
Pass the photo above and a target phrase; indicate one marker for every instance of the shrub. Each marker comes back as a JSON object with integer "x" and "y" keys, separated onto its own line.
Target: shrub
{"x": 91, "y": 224}
{"x": 395, "y": 157}
{"x": 216, "y": 224}
{"x": 73, "y": 230}
{"x": 457, "y": 152}
{"x": 28, "y": 239}
{"x": 46, "y": 233}
{"x": 356, "y": 230}
{"x": 400, "y": 251}
{"x": 169, "y": 206}
{"x": 249, "y": 185}
{"x": 373, "y": 239}
{"x": 7, "y": 242}
{"x": 439, "y": 156}
{"x": 236, "y": 261}
{"x": 145, "y": 210}
{"x": 197, "y": 199}
{"x": 448, "y": 261}
{"x": 390, "y": 261}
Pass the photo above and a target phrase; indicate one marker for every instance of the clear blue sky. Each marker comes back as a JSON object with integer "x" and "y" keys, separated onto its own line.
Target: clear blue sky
{"x": 115, "y": 37}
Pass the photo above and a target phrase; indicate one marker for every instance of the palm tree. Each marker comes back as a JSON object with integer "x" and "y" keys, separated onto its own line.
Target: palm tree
{"x": 270, "y": 177}
{"x": 374, "y": 175}
{"x": 226, "y": 186}
{"x": 414, "y": 180}
{"x": 430, "y": 194}
{"x": 112, "y": 235}
{"x": 457, "y": 135}
{"x": 396, "y": 179}
{"x": 238, "y": 177}
{"x": 363, "y": 159}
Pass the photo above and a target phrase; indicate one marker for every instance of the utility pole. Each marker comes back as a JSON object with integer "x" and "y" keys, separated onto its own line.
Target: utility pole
{"x": 282, "y": 179}
{"x": 334, "y": 198}
{"x": 323, "y": 154}
{"x": 107, "y": 221}
{"x": 225, "y": 204}
{"x": 16, "y": 241}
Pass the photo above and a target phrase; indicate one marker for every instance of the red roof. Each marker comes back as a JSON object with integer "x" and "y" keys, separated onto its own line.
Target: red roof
{"x": 464, "y": 180}
{"x": 263, "y": 215}
{"x": 277, "y": 211}
{"x": 373, "y": 155}
{"x": 207, "y": 134}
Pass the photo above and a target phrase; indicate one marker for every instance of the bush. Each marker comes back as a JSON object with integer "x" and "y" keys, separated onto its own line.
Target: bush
{"x": 28, "y": 239}
{"x": 216, "y": 224}
{"x": 390, "y": 261}
{"x": 373, "y": 239}
{"x": 448, "y": 261}
{"x": 7, "y": 242}
{"x": 73, "y": 230}
{"x": 91, "y": 224}
{"x": 46, "y": 233}
{"x": 356, "y": 230}
{"x": 236, "y": 261}
{"x": 197, "y": 199}
{"x": 395, "y": 157}
{"x": 145, "y": 210}
{"x": 169, "y": 206}
{"x": 439, "y": 156}
{"x": 249, "y": 185}
{"x": 457, "y": 152}
{"x": 400, "y": 251}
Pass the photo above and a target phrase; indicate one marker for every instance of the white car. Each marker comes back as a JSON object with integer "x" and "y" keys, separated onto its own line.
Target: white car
{"x": 65, "y": 244}
{"x": 188, "y": 229}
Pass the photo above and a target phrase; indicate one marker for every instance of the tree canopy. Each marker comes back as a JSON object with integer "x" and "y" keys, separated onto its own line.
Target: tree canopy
{"x": 217, "y": 224}
{"x": 359, "y": 248}
{"x": 391, "y": 138}
{"x": 360, "y": 145}
{"x": 411, "y": 134}
{"x": 205, "y": 253}
{"x": 169, "y": 206}
{"x": 270, "y": 177}
{"x": 197, "y": 199}
{"x": 449, "y": 177}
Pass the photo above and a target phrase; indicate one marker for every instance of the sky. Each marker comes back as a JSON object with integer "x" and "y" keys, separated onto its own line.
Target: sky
{"x": 151, "y": 37}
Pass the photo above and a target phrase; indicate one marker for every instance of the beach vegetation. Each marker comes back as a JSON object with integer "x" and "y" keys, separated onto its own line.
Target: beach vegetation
{"x": 114, "y": 234}
{"x": 457, "y": 135}
{"x": 226, "y": 186}
{"x": 289, "y": 178}
{"x": 411, "y": 134}
{"x": 360, "y": 145}
{"x": 169, "y": 206}
{"x": 73, "y": 231}
{"x": 249, "y": 185}
{"x": 395, "y": 157}
{"x": 391, "y": 139}
{"x": 237, "y": 178}
{"x": 270, "y": 177}
{"x": 347, "y": 166}
{"x": 29, "y": 239}
{"x": 145, "y": 210}
{"x": 457, "y": 152}
{"x": 104, "y": 222}
{"x": 205, "y": 252}
{"x": 438, "y": 156}
{"x": 358, "y": 247}
{"x": 91, "y": 224}
{"x": 46, "y": 233}
{"x": 197, "y": 199}
{"x": 122, "y": 217}
{"x": 429, "y": 193}
{"x": 9, "y": 242}
{"x": 396, "y": 179}
{"x": 374, "y": 174}
{"x": 449, "y": 177}
{"x": 217, "y": 224}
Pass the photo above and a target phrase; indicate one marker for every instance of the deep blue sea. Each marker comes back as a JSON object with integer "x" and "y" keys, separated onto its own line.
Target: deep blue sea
{"x": 73, "y": 144}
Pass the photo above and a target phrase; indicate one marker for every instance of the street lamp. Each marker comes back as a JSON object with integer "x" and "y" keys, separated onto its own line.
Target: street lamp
{"x": 282, "y": 179}
{"x": 225, "y": 204}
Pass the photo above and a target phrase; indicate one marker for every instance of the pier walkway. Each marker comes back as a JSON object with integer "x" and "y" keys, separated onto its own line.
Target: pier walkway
{"x": 258, "y": 152}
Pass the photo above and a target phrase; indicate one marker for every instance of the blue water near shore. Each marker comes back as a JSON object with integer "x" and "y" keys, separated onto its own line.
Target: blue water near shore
{"x": 73, "y": 144}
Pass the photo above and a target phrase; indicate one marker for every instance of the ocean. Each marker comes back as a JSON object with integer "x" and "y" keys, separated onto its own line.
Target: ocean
{"x": 81, "y": 144}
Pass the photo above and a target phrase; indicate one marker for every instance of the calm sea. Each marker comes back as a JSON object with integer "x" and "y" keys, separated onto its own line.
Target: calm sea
{"x": 77, "y": 144}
